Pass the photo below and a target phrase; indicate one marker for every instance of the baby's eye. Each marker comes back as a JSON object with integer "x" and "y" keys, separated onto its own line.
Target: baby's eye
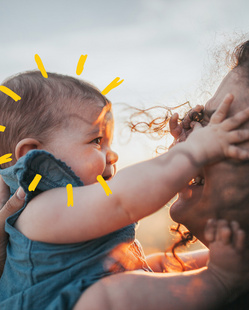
{"x": 97, "y": 140}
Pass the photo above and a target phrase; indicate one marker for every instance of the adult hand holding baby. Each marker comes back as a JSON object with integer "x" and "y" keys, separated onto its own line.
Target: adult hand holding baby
{"x": 7, "y": 208}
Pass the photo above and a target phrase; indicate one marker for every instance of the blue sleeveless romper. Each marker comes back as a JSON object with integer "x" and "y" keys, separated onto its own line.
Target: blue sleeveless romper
{"x": 39, "y": 275}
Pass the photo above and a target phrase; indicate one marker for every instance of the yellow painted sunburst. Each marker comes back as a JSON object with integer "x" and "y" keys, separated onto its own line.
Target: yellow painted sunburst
{"x": 6, "y": 158}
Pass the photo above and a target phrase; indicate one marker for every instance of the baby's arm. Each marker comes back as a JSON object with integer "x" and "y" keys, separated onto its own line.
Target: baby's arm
{"x": 225, "y": 278}
{"x": 137, "y": 191}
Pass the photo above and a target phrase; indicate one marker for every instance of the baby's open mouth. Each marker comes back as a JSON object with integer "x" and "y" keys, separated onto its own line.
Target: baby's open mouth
{"x": 107, "y": 178}
{"x": 197, "y": 181}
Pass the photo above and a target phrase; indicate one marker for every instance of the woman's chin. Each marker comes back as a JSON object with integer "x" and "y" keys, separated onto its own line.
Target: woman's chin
{"x": 187, "y": 198}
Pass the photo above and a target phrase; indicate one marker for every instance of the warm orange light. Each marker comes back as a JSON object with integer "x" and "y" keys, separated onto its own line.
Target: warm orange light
{"x": 101, "y": 116}
{"x": 123, "y": 258}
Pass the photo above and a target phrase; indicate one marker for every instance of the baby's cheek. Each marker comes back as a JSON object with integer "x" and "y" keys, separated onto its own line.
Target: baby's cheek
{"x": 98, "y": 161}
{"x": 101, "y": 166}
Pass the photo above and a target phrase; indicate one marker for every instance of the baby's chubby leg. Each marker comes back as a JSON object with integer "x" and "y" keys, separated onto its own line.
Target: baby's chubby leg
{"x": 228, "y": 256}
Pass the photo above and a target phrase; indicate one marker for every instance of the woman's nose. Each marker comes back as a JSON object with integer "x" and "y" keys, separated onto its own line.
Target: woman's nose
{"x": 111, "y": 157}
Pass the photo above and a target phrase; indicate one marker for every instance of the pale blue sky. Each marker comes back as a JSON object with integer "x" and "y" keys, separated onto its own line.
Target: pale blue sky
{"x": 158, "y": 47}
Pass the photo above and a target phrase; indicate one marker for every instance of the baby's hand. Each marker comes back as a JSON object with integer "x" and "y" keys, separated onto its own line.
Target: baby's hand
{"x": 180, "y": 131}
{"x": 217, "y": 140}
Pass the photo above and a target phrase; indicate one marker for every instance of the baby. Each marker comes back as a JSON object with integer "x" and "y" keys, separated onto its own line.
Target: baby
{"x": 62, "y": 128}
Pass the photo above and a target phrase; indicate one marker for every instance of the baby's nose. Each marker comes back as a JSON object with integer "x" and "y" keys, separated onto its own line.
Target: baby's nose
{"x": 111, "y": 157}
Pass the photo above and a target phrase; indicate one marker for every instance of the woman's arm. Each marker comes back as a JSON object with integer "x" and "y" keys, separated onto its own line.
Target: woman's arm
{"x": 207, "y": 288}
{"x": 137, "y": 191}
{"x": 159, "y": 262}
{"x": 139, "y": 291}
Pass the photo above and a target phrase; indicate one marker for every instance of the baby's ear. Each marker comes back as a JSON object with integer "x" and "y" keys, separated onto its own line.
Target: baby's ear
{"x": 26, "y": 145}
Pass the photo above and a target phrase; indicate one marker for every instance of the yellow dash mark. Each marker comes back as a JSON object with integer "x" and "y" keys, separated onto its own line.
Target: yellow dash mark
{"x": 2, "y": 128}
{"x": 40, "y": 66}
{"x": 34, "y": 183}
{"x": 5, "y": 158}
{"x": 69, "y": 195}
{"x": 104, "y": 185}
{"x": 112, "y": 85}
{"x": 9, "y": 92}
{"x": 80, "y": 65}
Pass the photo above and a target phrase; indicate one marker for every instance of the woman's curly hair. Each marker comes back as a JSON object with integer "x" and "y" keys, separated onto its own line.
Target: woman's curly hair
{"x": 152, "y": 125}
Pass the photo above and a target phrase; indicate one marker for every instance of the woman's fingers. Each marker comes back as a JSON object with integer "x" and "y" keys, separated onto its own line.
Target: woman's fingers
{"x": 238, "y": 236}
{"x": 4, "y": 192}
{"x": 210, "y": 230}
{"x": 15, "y": 203}
{"x": 12, "y": 205}
{"x": 221, "y": 113}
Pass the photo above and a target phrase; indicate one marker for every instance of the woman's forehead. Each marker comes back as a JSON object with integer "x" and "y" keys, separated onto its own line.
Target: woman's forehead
{"x": 232, "y": 83}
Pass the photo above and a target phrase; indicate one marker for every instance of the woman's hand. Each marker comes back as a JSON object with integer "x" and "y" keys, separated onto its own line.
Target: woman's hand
{"x": 7, "y": 208}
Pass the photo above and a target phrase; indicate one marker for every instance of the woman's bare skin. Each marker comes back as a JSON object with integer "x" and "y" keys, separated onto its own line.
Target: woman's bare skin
{"x": 228, "y": 269}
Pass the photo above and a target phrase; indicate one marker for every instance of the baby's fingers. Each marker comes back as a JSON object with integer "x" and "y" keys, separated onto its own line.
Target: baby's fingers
{"x": 238, "y": 136}
{"x": 222, "y": 111}
{"x": 236, "y": 152}
{"x": 195, "y": 126}
{"x": 237, "y": 120}
{"x": 175, "y": 128}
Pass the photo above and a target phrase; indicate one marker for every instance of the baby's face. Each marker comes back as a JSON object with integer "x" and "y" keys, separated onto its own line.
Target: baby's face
{"x": 84, "y": 143}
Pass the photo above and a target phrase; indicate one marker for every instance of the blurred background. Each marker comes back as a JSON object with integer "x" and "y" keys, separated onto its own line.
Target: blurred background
{"x": 167, "y": 52}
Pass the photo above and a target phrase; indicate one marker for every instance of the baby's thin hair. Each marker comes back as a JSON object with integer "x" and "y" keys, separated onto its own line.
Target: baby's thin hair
{"x": 43, "y": 106}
